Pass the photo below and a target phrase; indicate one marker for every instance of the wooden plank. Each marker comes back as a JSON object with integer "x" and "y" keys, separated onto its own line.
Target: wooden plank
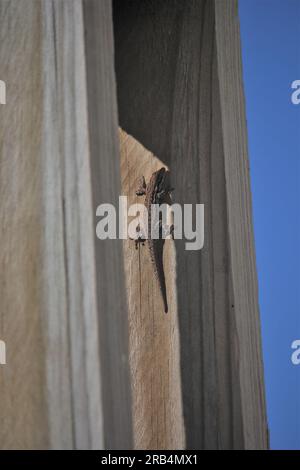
{"x": 66, "y": 381}
{"x": 169, "y": 86}
{"x": 240, "y": 226}
{"x": 106, "y": 188}
{"x": 70, "y": 305}
{"x": 23, "y": 406}
{"x": 153, "y": 335}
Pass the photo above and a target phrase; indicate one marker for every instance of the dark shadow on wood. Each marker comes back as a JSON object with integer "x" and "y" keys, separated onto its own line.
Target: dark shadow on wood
{"x": 106, "y": 187}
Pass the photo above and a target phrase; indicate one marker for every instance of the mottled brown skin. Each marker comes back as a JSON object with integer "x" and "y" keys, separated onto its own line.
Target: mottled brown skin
{"x": 157, "y": 191}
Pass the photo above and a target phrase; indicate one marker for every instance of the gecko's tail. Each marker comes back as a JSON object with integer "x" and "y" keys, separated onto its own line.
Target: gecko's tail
{"x": 162, "y": 288}
{"x": 160, "y": 275}
{"x": 164, "y": 296}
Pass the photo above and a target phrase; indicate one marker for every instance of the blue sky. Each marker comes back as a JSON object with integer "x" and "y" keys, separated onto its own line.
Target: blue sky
{"x": 270, "y": 34}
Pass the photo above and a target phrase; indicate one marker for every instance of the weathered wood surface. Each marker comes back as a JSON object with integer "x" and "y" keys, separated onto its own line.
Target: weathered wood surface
{"x": 106, "y": 188}
{"x": 66, "y": 382}
{"x": 240, "y": 226}
{"x": 23, "y": 405}
{"x": 169, "y": 66}
{"x": 196, "y": 373}
{"x": 153, "y": 335}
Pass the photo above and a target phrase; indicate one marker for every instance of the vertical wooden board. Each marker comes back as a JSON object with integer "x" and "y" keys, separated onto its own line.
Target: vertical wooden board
{"x": 70, "y": 305}
{"x": 63, "y": 307}
{"x": 230, "y": 422}
{"x": 23, "y": 407}
{"x": 153, "y": 335}
{"x": 242, "y": 250}
{"x": 164, "y": 53}
{"x": 191, "y": 153}
{"x": 169, "y": 86}
{"x": 106, "y": 188}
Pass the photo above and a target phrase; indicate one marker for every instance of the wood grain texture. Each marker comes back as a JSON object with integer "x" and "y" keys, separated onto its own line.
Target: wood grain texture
{"x": 106, "y": 188}
{"x": 23, "y": 405}
{"x": 69, "y": 301}
{"x": 170, "y": 100}
{"x": 66, "y": 382}
{"x": 70, "y": 310}
{"x": 240, "y": 226}
{"x": 153, "y": 335}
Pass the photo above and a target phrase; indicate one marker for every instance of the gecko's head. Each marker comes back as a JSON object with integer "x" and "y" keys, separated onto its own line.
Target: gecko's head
{"x": 162, "y": 182}
{"x": 160, "y": 177}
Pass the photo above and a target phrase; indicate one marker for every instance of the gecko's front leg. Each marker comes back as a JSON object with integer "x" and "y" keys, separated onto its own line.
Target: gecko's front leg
{"x": 164, "y": 230}
{"x": 141, "y": 191}
{"x": 140, "y": 238}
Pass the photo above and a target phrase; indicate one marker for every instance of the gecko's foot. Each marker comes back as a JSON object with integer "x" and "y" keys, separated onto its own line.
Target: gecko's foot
{"x": 137, "y": 241}
{"x": 166, "y": 230}
{"x": 139, "y": 237}
{"x": 172, "y": 231}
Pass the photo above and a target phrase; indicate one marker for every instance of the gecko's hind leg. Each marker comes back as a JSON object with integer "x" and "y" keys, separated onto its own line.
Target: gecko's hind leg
{"x": 137, "y": 241}
{"x": 139, "y": 238}
{"x": 171, "y": 230}
{"x": 166, "y": 230}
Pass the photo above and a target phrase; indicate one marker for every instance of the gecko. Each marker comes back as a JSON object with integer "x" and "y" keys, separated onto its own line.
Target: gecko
{"x": 157, "y": 191}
